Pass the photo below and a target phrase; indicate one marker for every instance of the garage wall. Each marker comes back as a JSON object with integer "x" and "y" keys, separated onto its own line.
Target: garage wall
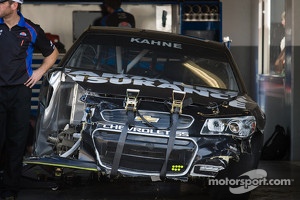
{"x": 58, "y": 19}
{"x": 292, "y": 79}
{"x": 240, "y": 23}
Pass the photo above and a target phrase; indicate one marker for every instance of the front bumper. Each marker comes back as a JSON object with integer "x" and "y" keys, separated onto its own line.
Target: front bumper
{"x": 144, "y": 154}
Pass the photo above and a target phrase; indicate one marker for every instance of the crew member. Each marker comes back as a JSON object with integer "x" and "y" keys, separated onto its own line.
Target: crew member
{"x": 18, "y": 37}
{"x": 116, "y": 15}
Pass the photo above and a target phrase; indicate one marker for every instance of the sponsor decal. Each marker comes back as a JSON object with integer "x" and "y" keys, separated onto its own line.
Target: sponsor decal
{"x": 122, "y": 79}
{"x": 118, "y": 128}
{"x": 51, "y": 44}
{"x": 239, "y": 103}
{"x": 23, "y": 34}
{"x": 177, "y": 168}
{"x": 156, "y": 43}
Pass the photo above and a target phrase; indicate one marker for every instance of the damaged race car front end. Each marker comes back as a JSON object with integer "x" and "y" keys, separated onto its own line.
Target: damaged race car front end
{"x": 158, "y": 144}
{"x": 137, "y": 103}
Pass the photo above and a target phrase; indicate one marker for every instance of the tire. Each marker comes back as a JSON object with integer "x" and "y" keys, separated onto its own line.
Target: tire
{"x": 246, "y": 163}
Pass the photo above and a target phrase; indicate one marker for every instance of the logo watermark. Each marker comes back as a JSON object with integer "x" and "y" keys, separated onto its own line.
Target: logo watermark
{"x": 249, "y": 181}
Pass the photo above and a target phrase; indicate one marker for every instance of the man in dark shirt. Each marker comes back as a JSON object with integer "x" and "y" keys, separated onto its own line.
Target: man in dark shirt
{"x": 116, "y": 15}
{"x": 18, "y": 37}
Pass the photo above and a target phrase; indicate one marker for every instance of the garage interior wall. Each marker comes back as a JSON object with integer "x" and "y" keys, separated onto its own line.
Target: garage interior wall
{"x": 58, "y": 18}
{"x": 293, "y": 63}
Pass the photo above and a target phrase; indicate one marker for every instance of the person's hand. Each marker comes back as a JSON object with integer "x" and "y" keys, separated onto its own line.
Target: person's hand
{"x": 36, "y": 76}
{"x": 280, "y": 62}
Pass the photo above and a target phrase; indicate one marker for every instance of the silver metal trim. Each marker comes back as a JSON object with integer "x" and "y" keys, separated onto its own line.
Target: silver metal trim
{"x": 210, "y": 168}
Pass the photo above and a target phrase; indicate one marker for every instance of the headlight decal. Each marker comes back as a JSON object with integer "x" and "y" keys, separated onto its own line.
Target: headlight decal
{"x": 236, "y": 126}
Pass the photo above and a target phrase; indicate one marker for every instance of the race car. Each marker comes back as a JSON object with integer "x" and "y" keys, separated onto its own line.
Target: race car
{"x": 128, "y": 102}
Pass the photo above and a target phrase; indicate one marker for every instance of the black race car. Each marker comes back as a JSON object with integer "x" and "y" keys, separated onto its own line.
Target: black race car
{"x": 147, "y": 104}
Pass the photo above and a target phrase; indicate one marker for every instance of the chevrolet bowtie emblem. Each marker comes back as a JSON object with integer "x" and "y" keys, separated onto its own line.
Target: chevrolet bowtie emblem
{"x": 148, "y": 118}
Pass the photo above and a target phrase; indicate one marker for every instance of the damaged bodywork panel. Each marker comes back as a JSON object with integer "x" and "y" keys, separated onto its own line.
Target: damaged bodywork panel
{"x": 142, "y": 103}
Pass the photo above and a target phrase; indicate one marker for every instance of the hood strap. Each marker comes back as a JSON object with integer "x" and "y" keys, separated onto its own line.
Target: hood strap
{"x": 176, "y": 110}
{"x": 130, "y": 107}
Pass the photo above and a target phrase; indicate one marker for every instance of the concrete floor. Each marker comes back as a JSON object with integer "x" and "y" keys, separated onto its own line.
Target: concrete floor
{"x": 279, "y": 170}
{"x": 158, "y": 190}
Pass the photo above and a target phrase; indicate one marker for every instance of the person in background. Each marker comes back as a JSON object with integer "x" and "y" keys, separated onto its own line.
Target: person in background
{"x": 282, "y": 42}
{"x": 18, "y": 37}
{"x": 116, "y": 16}
{"x": 98, "y": 21}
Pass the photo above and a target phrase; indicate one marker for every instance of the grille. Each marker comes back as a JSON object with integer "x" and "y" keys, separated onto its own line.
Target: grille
{"x": 160, "y": 120}
{"x": 144, "y": 154}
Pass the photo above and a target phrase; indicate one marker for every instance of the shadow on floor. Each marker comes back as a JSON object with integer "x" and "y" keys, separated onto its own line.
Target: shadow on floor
{"x": 276, "y": 171}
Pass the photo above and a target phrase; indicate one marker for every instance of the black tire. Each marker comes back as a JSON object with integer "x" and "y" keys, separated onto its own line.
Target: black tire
{"x": 246, "y": 163}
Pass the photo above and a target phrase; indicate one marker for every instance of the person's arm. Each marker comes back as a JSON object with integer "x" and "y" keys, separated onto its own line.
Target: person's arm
{"x": 280, "y": 61}
{"x": 37, "y": 74}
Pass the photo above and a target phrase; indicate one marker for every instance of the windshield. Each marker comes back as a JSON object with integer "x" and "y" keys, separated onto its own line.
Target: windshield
{"x": 155, "y": 63}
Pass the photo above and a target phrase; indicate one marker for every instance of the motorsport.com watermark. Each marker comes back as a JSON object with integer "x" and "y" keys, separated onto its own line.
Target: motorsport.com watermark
{"x": 254, "y": 179}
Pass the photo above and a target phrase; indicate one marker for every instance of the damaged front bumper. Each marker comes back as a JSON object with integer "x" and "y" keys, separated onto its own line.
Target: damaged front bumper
{"x": 144, "y": 154}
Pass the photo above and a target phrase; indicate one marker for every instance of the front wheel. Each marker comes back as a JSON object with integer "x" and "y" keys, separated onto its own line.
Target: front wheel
{"x": 232, "y": 174}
